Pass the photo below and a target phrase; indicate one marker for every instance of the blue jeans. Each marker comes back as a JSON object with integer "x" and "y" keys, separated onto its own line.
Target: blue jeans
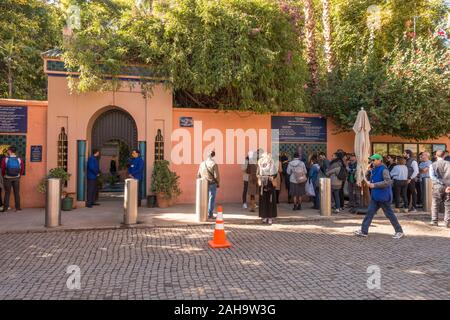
{"x": 212, "y": 190}
{"x": 336, "y": 197}
{"x": 372, "y": 211}
{"x": 316, "y": 201}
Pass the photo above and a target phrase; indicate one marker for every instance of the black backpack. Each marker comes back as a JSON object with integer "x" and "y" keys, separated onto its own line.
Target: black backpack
{"x": 343, "y": 174}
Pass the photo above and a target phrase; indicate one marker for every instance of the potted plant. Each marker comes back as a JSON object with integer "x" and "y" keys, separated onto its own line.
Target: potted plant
{"x": 59, "y": 173}
{"x": 165, "y": 183}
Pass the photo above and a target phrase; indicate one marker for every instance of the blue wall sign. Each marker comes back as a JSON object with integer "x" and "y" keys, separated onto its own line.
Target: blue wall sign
{"x": 300, "y": 129}
{"x": 36, "y": 154}
{"x": 186, "y": 122}
{"x": 13, "y": 119}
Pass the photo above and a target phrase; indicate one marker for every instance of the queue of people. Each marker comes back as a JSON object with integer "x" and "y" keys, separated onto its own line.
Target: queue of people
{"x": 396, "y": 180}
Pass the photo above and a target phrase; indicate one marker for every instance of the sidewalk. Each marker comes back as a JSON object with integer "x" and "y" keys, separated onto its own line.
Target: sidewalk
{"x": 109, "y": 215}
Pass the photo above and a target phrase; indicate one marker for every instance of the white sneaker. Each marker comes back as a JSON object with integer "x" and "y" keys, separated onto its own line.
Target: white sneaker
{"x": 244, "y": 206}
{"x": 359, "y": 233}
{"x": 398, "y": 235}
{"x": 270, "y": 221}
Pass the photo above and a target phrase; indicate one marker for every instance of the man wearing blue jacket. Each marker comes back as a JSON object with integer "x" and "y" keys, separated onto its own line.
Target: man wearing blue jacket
{"x": 93, "y": 171}
{"x": 136, "y": 169}
{"x": 381, "y": 197}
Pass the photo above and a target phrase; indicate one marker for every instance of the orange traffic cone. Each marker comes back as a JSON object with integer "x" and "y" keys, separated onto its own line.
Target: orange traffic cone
{"x": 219, "y": 239}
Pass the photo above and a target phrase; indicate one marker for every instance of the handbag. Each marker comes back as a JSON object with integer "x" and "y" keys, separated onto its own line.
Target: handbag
{"x": 310, "y": 189}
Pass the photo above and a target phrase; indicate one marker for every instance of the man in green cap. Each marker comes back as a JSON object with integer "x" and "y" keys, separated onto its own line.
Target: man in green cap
{"x": 380, "y": 197}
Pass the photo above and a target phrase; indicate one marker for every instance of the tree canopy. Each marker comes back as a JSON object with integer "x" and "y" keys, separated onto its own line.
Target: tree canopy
{"x": 405, "y": 96}
{"x": 248, "y": 55}
{"x": 229, "y": 54}
{"x": 27, "y": 28}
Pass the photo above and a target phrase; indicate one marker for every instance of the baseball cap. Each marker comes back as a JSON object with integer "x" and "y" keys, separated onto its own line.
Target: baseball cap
{"x": 376, "y": 156}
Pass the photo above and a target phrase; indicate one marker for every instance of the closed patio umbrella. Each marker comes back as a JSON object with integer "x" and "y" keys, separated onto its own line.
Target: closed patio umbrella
{"x": 362, "y": 151}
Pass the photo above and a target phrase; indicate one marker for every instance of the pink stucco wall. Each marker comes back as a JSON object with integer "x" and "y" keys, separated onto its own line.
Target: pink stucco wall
{"x": 36, "y": 135}
{"x": 231, "y": 174}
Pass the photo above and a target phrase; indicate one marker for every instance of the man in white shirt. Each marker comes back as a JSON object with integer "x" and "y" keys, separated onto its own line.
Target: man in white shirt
{"x": 413, "y": 172}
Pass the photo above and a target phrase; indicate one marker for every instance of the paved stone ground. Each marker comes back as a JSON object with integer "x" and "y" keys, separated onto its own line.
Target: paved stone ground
{"x": 307, "y": 260}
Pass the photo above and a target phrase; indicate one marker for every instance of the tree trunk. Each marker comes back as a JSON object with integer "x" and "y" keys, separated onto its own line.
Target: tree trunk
{"x": 328, "y": 45}
{"x": 311, "y": 56}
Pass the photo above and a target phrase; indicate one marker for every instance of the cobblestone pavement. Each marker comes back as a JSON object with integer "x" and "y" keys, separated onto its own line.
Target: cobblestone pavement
{"x": 308, "y": 260}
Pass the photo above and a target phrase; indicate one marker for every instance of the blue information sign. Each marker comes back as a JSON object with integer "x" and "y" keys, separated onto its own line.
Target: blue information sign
{"x": 300, "y": 129}
{"x": 13, "y": 119}
{"x": 36, "y": 154}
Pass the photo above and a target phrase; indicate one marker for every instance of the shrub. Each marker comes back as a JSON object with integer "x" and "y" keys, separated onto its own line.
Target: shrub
{"x": 165, "y": 181}
{"x": 54, "y": 173}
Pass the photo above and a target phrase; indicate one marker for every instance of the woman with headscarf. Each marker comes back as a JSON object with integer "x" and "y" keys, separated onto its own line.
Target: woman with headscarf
{"x": 267, "y": 180}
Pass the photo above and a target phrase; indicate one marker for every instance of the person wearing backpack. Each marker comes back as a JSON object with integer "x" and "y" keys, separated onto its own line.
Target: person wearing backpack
{"x": 338, "y": 173}
{"x": 12, "y": 169}
{"x": 297, "y": 177}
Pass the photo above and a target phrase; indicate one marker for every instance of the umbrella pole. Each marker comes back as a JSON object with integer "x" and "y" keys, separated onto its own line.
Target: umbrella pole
{"x": 365, "y": 198}
{"x": 366, "y": 194}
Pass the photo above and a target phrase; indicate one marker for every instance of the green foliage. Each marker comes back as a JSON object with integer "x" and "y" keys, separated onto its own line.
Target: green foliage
{"x": 59, "y": 173}
{"x": 27, "y": 28}
{"x": 233, "y": 54}
{"x": 406, "y": 95}
{"x": 165, "y": 181}
{"x": 352, "y": 35}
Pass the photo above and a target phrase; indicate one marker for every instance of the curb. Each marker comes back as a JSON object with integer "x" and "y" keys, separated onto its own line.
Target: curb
{"x": 256, "y": 221}
{"x": 232, "y": 221}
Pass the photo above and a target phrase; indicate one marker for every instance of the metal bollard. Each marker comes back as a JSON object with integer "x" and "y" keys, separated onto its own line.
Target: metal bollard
{"x": 325, "y": 197}
{"x": 130, "y": 202}
{"x": 427, "y": 194}
{"x": 53, "y": 203}
{"x": 201, "y": 200}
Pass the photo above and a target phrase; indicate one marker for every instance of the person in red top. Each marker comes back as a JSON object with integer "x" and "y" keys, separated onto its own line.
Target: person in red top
{"x": 12, "y": 170}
